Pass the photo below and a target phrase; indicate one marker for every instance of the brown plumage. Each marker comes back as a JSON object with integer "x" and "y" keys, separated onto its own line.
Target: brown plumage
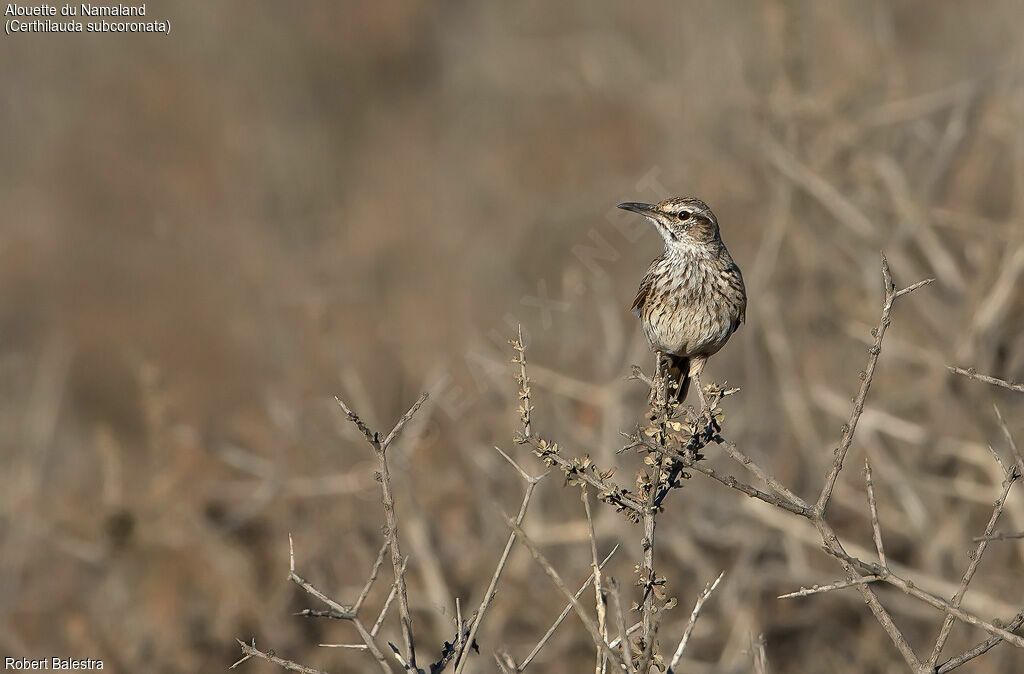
{"x": 692, "y": 298}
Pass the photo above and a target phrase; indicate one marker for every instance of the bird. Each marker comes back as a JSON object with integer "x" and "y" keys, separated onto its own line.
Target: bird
{"x": 692, "y": 298}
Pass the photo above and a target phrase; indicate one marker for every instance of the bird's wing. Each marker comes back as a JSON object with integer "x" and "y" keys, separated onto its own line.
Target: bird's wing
{"x": 641, "y": 294}
{"x": 740, "y": 289}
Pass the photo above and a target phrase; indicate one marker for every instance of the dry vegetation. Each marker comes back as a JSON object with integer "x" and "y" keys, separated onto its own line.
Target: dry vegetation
{"x": 670, "y": 446}
{"x": 207, "y": 237}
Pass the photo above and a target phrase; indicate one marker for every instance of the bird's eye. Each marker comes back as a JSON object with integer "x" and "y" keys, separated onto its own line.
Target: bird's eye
{"x": 684, "y": 215}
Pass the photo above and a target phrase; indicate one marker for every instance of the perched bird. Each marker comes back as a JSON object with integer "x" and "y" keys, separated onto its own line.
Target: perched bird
{"x": 692, "y": 298}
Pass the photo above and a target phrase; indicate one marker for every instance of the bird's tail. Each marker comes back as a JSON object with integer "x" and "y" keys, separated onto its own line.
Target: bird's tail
{"x": 679, "y": 371}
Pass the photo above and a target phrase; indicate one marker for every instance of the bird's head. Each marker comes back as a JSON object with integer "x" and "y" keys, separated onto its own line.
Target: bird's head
{"x": 684, "y": 222}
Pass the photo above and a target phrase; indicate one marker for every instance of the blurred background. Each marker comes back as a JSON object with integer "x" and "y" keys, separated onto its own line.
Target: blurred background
{"x": 207, "y": 236}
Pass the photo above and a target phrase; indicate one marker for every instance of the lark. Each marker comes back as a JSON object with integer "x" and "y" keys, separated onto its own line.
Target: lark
{"x": 692, "y": 297}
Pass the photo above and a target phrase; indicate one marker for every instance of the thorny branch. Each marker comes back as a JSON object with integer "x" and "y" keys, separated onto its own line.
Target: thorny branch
{"x": 650, "y": 487}
{"x": 876, "y": 527}
{"x": 577, "y": 471}
{"x": 880, "y": 572}
{"x": 600, "y": 600}
{"x": 869, "y": 373}
{"x": 670, "y": 446}
{"x": 380, "y": 448}
{"x": 565, "y": 612}
{"x": 970, "y": 373}
{"x": 947, "y": 624}
{"x": 531, "y": 483}
{"x": 698, "y": 605}
{"x": 838, "y": 585}
{"x": 250, "y": 651}
{"x": 684, "y": 451}
{"x": 336, "y": 610}
{"x": 984, "y": 647}
{"x": 588, "y": 622}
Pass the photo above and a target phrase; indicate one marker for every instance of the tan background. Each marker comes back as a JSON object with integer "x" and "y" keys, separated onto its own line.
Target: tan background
{"x": 206, "y": 236}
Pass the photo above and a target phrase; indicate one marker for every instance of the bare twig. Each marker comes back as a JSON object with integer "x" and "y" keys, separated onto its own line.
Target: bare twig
{"x": 525, "y": 409}
{"x": 997, "y": 536}
{"x": 505, "y": 662}
{"x": 637, "y": 373}
{"x": 914, "y": 286}
{"x": 565, "y": 612}
{"x": 760, "y": 654}
{"x": 999, "y": 459}
{"x": 599, "y": 599}
{"x": 970, "y": 373}
{"x": 460, "y": 635}
{"x": 649, "y": 512}
{"x": 387, "y": 602}
{"x": 250, "y": 651}
{"x": 732, "y": 482}
{"x": 392, "y": 522}
{"x": 869, "y": 372}
{"x": 606, "y": 489}
{"x": 997, "y": 510}
{"x": 371, "y": 436}
{"x": 587, "y": 621}
{"x": 354, "y": 647}
{"x": 753, "y": 492}
{"x": 708, "y": 589}
{"x": 492, "y": 587}
{"x": 816, "y": 514}
{"x": 387, "y": 498}
{"x": 345, "y": 613}
{"x": 829, "y": 539}
{"x": 876, "y": 527}
{"x": 620, "y": 625}
{"x": 633, "y": 629}
{"x": 548, "y": 452}
{"x": 982, "y": 648}
{"x": 398, "y": 656}
{"x": 779, "y": 488}
{"x": 1017, "y": 457}
{"x": 838, "y": 585}
{"x": 406, "y": 418}
{"x": 886, "y": 622}
{"x": 370, "y": 581}
{"x": 908, "y": 587}
{"x": 647, "y": 571}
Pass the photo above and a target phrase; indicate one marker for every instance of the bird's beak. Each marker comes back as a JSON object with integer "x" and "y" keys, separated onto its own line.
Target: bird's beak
{"x": 647, "y": 210}
{"x": 650, "y": 211}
